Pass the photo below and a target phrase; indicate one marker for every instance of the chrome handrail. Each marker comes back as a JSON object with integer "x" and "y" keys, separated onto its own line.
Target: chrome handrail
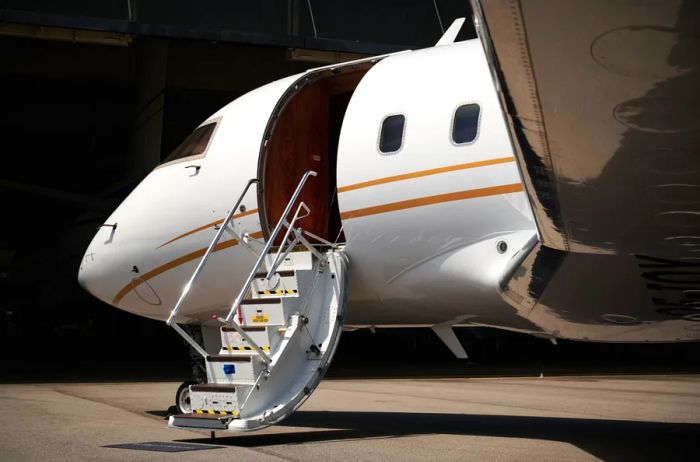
{"x": 203, "y": 261}
{"x": 198, "y": 270}
{"x": 263, "y": 253}
{"x": 290, "y": 227}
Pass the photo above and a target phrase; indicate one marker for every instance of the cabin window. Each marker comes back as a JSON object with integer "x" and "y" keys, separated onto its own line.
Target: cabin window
{"x": 465, "y": 126}
{"x": 194, "y": 145}
{"x": 391, "y": 136}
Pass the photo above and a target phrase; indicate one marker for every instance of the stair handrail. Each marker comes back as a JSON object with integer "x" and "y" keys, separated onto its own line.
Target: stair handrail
{"x": 203, "y": 261}
{"x": 285, "y": 240}
{"x": 266, "y": 249}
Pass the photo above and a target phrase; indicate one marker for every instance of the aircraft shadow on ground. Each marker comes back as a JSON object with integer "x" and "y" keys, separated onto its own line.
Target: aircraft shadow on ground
{"x": 605, "y": 439}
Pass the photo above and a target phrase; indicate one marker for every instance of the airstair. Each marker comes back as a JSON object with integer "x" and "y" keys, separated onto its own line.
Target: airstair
{"x": 280, "y": 333}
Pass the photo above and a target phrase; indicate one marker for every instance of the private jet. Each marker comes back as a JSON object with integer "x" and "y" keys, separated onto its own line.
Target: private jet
{"x": 520, "y": 181}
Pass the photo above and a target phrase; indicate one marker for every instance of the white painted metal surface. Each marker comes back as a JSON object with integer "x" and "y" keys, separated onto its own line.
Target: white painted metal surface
{"x": 163, "y": 223}
{"x": 437, "y": 262}
{"x": 432, "y": 230}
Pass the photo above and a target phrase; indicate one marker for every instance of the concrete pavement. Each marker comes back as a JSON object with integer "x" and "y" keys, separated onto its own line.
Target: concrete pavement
{"x": 572, "y": 418}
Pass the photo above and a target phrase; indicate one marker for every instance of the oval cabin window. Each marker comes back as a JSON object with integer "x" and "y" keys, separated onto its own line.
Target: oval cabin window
{"x": 391, "y": 136}
{"x": 465, "y": 126}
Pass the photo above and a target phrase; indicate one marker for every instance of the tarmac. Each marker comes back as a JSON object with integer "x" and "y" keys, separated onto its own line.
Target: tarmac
{"x": 650, "y": 417}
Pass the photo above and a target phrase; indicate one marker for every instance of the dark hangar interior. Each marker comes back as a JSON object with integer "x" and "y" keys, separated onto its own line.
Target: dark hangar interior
{"x": 95, "y": 94}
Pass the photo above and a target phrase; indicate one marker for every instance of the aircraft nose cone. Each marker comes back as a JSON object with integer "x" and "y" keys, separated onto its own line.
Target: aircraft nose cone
{"x": 82, "y": 277}
{"x": 100, "y": 269}
{"x": 89, "y": 274}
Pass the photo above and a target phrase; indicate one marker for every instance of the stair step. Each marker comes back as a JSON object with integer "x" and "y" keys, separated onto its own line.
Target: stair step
{"x": 300, "y": 259}
{"x": 230, "y": 358}
{"x": 241, "y": 369}
{"x": 241, "y": 349}
{"x": 200, "y": 416}
{"x": 261, "y": 301}
{"x": 213, "y": 388}
{"x": 282, "y": 283}
{"x": 282, "y": 274}
{"x": 266, "y": 337}
{"x": 271, "y": 293}
{"x": 214, "y": 412}
{"x": 206, "y": 421}
{"x": 297, "y": 248}
{"x": 215, "y": 399}
{"x": 260, "y": 312}
{"x": 245, "y": 328}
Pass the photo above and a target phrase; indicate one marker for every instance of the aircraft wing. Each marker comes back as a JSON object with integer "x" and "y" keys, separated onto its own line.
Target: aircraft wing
{"x": 602, "y": 100}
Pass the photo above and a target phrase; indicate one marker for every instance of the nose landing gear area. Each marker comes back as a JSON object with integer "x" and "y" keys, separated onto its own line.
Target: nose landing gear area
{"x": 563, "y": 418}
{"x": 183, "y": 402}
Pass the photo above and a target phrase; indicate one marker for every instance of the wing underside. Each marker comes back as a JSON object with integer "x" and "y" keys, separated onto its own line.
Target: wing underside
{"x": 602, "y": 100}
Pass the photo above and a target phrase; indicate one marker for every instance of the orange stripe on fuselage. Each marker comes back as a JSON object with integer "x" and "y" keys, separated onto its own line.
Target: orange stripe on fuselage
{"x": 207, "y": 226}
{"x": 174, "y": 263}
{"x": 432, "y": 171}
{"x": 430, "y": 200}
{"x": 366, "y": 184}
{"x": 394, "y": 206}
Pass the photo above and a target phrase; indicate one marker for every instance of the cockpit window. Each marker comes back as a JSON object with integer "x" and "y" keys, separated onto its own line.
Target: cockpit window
{"x": 194, "y": 145}
{"x": 465, "y": 126}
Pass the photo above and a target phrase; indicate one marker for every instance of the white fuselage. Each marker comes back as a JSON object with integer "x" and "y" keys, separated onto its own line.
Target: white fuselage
{"x": 422, "y": 225}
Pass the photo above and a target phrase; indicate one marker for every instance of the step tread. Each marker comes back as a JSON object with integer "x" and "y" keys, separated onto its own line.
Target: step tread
{"x": 245, "y": 328}
{"x": 237, "y": 351}
{"x": 214, "y": 387}
{"x": 202, "y": 416}
{"x": 282, "y": 273}
{"x": 261, "y": 301}
{"x": 297, "y": 248}
{"x": 240, "y": 356}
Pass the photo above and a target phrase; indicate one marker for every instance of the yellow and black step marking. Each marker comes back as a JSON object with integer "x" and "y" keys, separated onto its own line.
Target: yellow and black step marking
{"x": 245, "y": 348}
{"x": 213, "y": 412}
{"x": 278, "y": 292}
